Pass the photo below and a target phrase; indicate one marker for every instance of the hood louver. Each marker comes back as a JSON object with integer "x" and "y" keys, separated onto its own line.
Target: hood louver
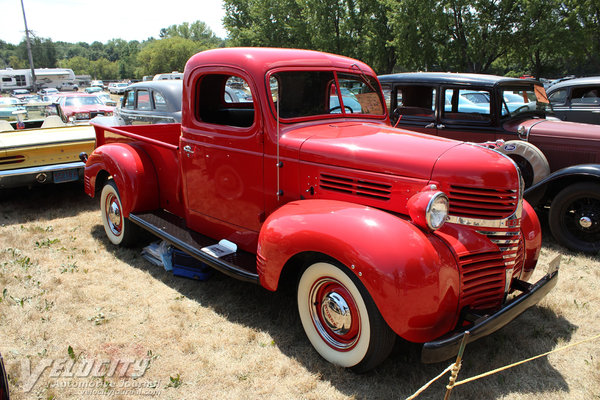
{"x": 356, "y": 187}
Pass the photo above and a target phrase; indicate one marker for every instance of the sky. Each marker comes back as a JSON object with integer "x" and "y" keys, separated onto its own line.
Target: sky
{"x": 88, "y": 21}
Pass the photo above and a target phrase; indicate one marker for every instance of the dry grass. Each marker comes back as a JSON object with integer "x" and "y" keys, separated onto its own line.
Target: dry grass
{"x": 63, "y": 285}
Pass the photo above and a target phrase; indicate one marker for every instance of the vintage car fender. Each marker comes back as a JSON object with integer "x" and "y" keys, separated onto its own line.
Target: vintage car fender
{"x": 133, "y": 172}
{"x": 549, "y": 186}
{"x": 411, "y": 275}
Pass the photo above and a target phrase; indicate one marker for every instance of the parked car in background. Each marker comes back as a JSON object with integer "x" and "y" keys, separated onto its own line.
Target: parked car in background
{"x": 93, "y": 89}
{"x": 577, "y": 100}
{"x": 68, "y": 87}
{"x": 559, "y": 161}
{"x": 106, "y": 99}
{"x": 47, "y": 93}
{"x": 150, "y": 102}
{"x": 8, "y": 107}
{"x": 83, "y": 106}
{"x": 97, "y": 83}
{"x": 20, "y": 92}
{"x": 46, "y": 150}
{"x": 117, "y": 88}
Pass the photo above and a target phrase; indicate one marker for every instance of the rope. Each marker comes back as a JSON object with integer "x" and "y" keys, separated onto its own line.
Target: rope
{"x": 523, "y": 361}
{"x": 455, "y": 368}
{"x": 424, "y": 387}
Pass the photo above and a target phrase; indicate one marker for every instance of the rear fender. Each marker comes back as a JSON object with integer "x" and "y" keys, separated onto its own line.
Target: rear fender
{"x": 133, "y": 172}
{"x": 411, "y": 275}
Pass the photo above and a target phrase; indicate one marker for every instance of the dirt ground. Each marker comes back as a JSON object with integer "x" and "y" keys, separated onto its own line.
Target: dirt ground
{"x": 80, "y": 318}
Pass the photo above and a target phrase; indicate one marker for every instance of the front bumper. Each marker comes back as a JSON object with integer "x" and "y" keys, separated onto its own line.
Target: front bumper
{"x": 447, "y": 346}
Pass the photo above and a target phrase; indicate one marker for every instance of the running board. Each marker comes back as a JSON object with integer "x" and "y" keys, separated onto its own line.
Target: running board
{"x": 171, "y": 228}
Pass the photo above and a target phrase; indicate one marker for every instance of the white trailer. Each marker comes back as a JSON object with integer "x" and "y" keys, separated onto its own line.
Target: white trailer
{"x": 11, "y": 79}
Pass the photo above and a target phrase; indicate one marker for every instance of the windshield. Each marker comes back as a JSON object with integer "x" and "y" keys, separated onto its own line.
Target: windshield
{"x": 82, "y": 101}
{"x": 303, "y": 94}
{"x": 517, "y": 101}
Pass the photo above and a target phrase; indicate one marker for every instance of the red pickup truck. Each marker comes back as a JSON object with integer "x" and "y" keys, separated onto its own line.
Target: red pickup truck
{"x": 384, "y": 232}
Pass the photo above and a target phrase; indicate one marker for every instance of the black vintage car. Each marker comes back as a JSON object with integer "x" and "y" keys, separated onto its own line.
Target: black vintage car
{"x": 159, "y": 102}
{"x": 559, "y": 160}
{"x": 151, "y": 102}
{"x": 577, "y": 100}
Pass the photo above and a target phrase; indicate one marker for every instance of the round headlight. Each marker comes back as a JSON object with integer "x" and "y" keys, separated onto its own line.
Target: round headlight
{"x": 437, "y": 211}
{"x": 429, "y": 209}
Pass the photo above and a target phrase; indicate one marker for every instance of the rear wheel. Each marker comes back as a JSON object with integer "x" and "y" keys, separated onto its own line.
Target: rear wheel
{"x": 119, "y": 230}
{"x": 340, "y": 318}
{"x": 574, "y": 217}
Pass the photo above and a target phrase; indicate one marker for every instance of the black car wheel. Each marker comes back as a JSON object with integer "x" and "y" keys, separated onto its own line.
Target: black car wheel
{"x": 574, "y": 217}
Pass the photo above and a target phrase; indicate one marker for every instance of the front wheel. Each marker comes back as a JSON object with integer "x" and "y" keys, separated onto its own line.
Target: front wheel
{"x": 340, "y": 318}
{"x": 119, "y": 230}
{"x": 574, "y": 217}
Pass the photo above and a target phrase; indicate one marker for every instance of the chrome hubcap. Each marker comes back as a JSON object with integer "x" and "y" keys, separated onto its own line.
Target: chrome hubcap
{"x": 336, "y": 313}
{"x": 585, "y": 222}
{"x": 113, "y": 214}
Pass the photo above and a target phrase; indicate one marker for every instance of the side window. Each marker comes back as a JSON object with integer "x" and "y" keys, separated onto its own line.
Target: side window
{"x": 143, "y": 102}
{"x": 160, "y": 104}
{"x": 414, "y": 102}
{"x": 129, "y": 100}
{"x": 559, "y": 97}
{"x": 587, "y": 95}
{"x": 224, "y": 100}
{"x": 387, "y": 94}
{"x": 466, "y": 105}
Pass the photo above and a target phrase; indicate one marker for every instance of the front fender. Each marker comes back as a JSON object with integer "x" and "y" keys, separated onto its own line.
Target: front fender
{"x": 411, "y": 275}
{"x": 133, "y": 172}
{"x": 547, "y": 187}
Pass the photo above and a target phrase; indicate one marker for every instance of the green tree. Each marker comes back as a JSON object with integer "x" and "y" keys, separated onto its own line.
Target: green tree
{"x": 166, "y": 55}
{"x": 80, "y": 65}
{"x": 197, "y": 31}
{"x": 275, "y": 23}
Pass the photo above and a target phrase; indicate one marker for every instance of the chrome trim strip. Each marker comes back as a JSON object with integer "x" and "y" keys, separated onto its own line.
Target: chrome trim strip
{"x": 44, "y": 168}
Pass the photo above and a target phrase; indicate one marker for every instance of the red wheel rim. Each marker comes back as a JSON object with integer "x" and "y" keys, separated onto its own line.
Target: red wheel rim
{"x": 334, "y": 314}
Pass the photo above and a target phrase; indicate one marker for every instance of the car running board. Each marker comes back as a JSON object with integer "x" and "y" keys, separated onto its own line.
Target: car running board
{"x": 171, "y": 228}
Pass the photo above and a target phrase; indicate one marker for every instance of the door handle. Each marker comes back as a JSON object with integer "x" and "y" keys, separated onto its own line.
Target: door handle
{"x": 441, "y": 126}
{"x": 429, "y": 126}
{"x": 188, "y": 149}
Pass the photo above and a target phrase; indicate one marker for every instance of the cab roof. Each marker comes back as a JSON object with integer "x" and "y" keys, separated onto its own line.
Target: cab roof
{"x": 260, "y": 59}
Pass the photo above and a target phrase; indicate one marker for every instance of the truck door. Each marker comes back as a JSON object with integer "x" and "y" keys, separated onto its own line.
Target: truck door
{"x": 222, "y": 156}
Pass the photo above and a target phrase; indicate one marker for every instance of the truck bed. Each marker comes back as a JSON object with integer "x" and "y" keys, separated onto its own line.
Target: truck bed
{"x": 163, "y": 135}
{"x": 161, "y": 143}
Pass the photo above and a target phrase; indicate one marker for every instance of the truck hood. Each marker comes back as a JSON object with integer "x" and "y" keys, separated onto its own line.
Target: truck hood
{"x": 370, "y": 147}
